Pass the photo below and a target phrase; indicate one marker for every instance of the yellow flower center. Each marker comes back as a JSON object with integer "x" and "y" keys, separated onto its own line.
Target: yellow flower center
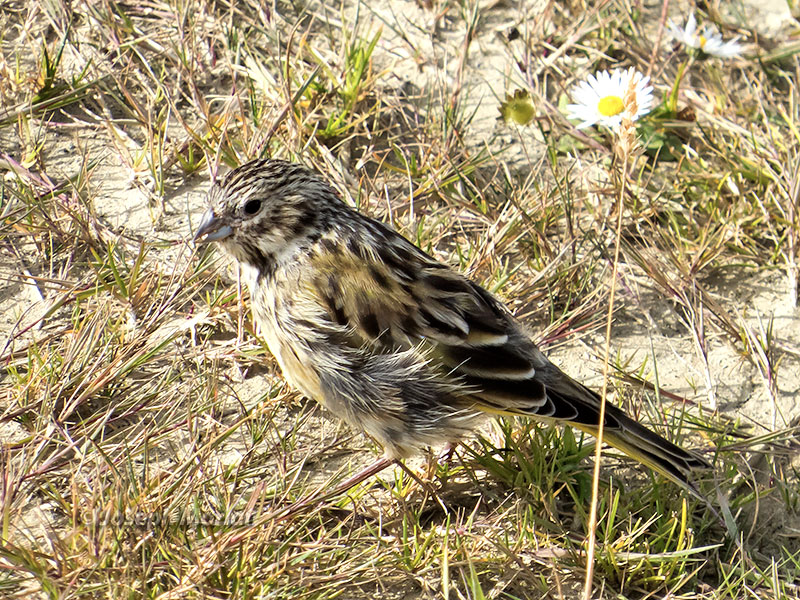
{"x": 610, "y": 106}
{"x": 703, "y": 41}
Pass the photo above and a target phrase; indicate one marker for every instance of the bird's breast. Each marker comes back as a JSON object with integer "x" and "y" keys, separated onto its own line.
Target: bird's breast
{"x": 276, "y": 328}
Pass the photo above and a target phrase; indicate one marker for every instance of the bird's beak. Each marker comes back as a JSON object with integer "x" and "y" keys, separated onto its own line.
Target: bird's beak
{"x": 211, "y": 229}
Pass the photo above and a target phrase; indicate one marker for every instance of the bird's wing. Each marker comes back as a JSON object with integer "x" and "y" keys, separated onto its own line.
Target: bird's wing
{"x": 392, "y": 295}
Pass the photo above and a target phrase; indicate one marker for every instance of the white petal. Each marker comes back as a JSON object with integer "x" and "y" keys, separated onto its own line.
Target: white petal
{"x": 691, "y": 26}
{"x": 674, "y": 30}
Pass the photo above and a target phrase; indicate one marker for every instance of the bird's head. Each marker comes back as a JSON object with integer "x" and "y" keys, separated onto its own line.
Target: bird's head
{"x": 265, "y": 209}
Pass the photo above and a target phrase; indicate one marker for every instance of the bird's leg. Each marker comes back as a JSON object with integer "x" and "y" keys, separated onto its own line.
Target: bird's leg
{"x": 373, "y": 469}
{"x": 443, "y": 458}
{"x": 365, "y": 473}
{"x": 425, "y": 485}
{"x": 446, "y": 454}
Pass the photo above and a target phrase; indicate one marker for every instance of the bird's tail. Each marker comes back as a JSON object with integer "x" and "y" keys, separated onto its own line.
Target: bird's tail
{"x": 551, "y": 395}
{"x": 645, "y": 446}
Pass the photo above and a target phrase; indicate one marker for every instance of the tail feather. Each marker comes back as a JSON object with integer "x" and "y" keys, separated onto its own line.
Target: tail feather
{"x": 632, "y": 438}
{"x": 551, "y": 395}
{"x": 665, "y": 458}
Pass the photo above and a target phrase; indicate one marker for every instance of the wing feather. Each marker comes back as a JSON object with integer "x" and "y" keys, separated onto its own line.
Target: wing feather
{"x": 400, "y": 297}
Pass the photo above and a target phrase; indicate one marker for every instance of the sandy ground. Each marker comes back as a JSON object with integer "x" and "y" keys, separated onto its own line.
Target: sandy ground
{"x": 648, "y": 329}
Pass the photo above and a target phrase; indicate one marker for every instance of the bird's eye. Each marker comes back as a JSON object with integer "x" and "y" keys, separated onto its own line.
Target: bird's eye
{"x": 251, "y": 207}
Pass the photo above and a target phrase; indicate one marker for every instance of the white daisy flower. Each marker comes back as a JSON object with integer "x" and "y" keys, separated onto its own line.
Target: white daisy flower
{"x": 707, "y": 40}
{"x": 606, "y": 97}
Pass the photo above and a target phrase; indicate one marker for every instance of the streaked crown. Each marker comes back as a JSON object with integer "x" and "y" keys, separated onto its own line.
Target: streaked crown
{"x": 266, "y": 209}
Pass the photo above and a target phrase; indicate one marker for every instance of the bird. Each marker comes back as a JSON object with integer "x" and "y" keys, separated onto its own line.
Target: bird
{"x": 386, "y": 337}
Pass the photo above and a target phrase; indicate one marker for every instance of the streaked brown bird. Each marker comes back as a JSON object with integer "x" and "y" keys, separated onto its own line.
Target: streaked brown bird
{"x": 387, "y": 338}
